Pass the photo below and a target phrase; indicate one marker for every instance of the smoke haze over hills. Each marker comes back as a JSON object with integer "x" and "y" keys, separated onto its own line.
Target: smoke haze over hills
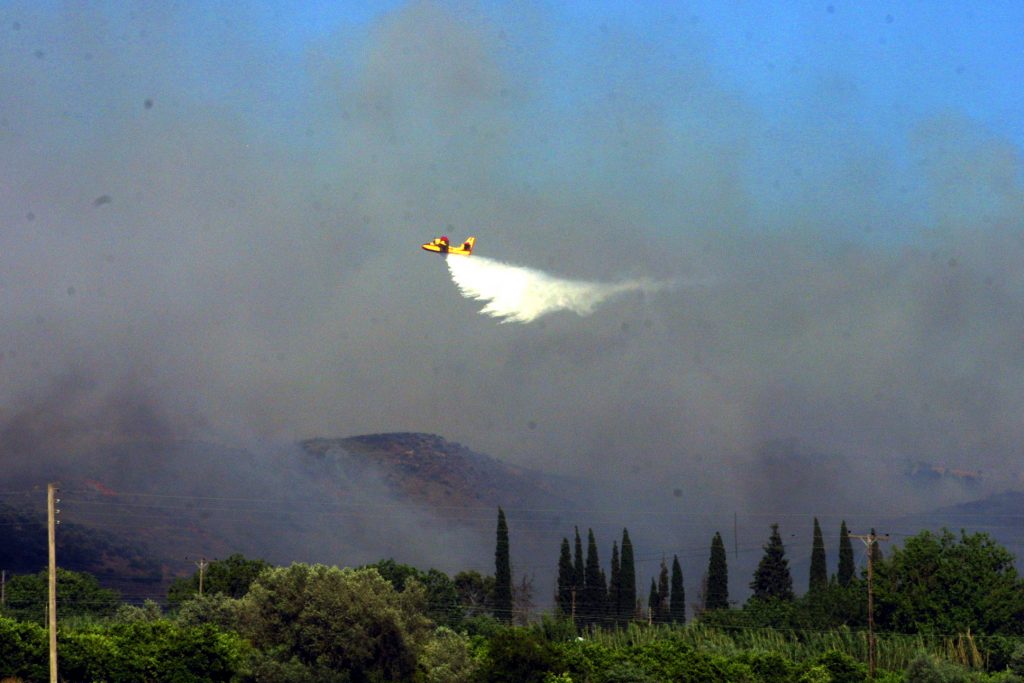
{"x": 210, "y": 228}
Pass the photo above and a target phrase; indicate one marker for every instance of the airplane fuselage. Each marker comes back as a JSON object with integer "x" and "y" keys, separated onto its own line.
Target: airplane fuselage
{"x": 440, "y": 246}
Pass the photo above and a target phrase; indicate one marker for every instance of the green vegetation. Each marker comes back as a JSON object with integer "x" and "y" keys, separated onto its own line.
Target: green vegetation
{"x": 231, "y": 576}
{"x": 948, "y": 608}
{"x": 938, "y": 583}
{"x": 81, "y": 594}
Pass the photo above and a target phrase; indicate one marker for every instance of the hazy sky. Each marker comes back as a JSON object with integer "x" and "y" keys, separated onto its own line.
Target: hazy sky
{"x": 210, "y": 217}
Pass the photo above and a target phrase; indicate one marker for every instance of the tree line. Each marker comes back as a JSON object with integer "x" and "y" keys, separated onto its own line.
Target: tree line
{"x": 391, "y": 621}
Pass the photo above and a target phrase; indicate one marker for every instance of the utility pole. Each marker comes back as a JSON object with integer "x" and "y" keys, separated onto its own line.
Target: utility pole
{"x": 202, "y": 564}
{"x": 51, "y": 524}
{"x": 870, "y": 540}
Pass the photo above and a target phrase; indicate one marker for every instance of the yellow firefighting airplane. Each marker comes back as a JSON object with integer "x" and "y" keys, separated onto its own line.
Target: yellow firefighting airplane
{"x": 440, "y": 245}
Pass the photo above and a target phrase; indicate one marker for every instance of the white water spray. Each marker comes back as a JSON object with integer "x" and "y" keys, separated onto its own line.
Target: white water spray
{"x": 518, "y": 294}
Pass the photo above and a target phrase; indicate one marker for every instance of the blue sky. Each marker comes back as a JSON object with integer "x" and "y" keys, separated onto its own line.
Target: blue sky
{"x": 900, "y": 60}
{"x": 904, "y": 59}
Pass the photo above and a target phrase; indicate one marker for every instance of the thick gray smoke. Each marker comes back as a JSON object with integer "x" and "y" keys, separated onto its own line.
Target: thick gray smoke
{"x": 207, "y": 219}
{"x": 520, "y": 294}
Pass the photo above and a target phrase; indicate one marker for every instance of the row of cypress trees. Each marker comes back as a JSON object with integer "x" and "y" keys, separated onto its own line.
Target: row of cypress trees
{"x": 584, "y": 593}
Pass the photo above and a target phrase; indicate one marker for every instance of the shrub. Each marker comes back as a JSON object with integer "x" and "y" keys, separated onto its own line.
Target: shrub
{"x": 842, "y": 667}
{"x": 519, "y": 655}
{"x": 446, "y": 657}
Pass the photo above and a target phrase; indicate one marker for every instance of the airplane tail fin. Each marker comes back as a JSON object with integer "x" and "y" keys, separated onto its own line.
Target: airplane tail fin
{"x": 468, "y": 245}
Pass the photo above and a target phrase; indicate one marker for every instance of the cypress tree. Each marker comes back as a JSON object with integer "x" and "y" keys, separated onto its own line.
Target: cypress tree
{"x": 502, "y": 573}
{"x": 717, "y": 593}
{"x": 845, "y": 575}
{"x": 627, "y": 581}
{"x": 663, "y": 594}
{"x": 566, "y": 579}
{"x": 578, "y": 567}
{"x": 677, "y": 601}
{"x": 819, "y": 568}
{"x": 772, "y": 578}
{"x": 612, "y": 603}
{"x": 594, "y": 590}
{"x": 653, "y": 600}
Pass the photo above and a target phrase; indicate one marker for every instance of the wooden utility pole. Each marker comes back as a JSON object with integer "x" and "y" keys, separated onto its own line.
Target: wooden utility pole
{"x": 51, "y": 523}
{"x": 870, "y": 540}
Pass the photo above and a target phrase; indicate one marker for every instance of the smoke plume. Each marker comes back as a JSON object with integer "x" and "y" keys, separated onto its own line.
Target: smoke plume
{"x": 520, "y": 294}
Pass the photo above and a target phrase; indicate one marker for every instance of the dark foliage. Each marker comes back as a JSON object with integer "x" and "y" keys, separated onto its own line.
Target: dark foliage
{"x": 717, "y": 594}
{"x": 772, "y": 578}
{"x": 819, "y": 567}
{"x": 626, "y": 606}
{"x": 677, "y": 598}
{"x": 502, "y": 603}
{"x": 519, "y": 655}
{"x": 846, "y": 566}
{"x": 78, "y": 593}
{"x": 565, "y": 585}
{"x": 231, "y": 576}
{"x": 592, "y": 606}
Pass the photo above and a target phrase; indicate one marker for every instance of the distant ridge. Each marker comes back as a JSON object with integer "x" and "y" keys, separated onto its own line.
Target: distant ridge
{"x": 447, "y": 477}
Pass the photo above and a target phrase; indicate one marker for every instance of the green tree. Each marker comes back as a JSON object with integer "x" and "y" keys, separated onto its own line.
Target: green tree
{"x": 653, "y": 602}
{"x": 819, "y": 567}
{"x": 447, "y": 658}
{"x": 612, "y": 602}
{"x": 578, "y": 567}
{"x": 518, "y": 655}
{"x": 566, "y": 580}
{"x": 663, "y": 593}
{"x": 443, "y": 604}
{"x": 846, "y": 566}
{"x": 325, "y": 622}
{"x": 231, "y": 576}
{"x": 772, "y": 578}
{"x": 79, "y": 593}
{"x": 717, "y": 594}
{"x": 475, "y": 592}
{"x": 677, "y": 599}
{"x": 502, "y": 605}
{"x": 626, "y": 607}
{"x": 594, "y": 588}
{"x": 159, "y": 650}
{"x": 939, "y": 583}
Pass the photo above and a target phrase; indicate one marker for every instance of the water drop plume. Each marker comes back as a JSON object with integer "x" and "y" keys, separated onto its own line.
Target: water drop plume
{"x": 520, "y": 294}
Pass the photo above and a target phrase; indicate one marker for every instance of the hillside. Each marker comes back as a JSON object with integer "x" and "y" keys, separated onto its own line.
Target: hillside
{"x": 446, "y": 477}
{"x": 138, "y": 514}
